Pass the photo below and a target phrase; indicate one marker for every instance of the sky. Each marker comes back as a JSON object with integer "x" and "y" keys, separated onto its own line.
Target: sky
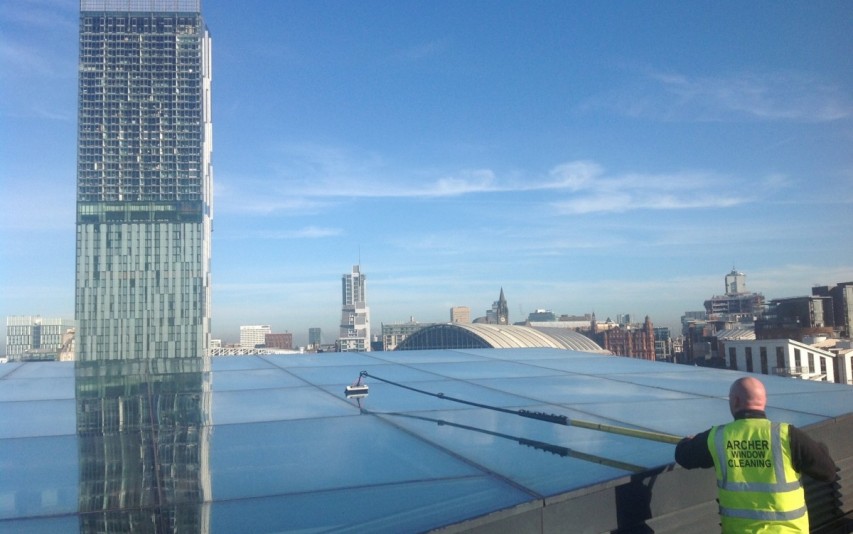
{"x": 587, "y": 157}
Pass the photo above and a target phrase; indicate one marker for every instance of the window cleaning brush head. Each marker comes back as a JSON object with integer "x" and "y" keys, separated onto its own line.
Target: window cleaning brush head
{"x": 357, "y": 390}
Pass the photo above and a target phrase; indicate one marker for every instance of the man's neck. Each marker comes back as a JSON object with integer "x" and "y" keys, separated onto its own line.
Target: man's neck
{"x": 750, "y": 413}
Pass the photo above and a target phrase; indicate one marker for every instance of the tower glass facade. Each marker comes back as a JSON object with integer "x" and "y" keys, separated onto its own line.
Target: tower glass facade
{"x": 144, "y": 180}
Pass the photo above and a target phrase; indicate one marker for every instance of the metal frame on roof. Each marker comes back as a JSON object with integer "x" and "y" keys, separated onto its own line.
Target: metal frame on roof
{"x": 478, "y": 335}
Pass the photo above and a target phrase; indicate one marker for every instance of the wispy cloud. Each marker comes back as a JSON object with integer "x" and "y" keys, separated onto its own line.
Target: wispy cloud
{"x": 775, "y": 96}
{"x": 309, "y": 232}
{"x": 317, "y": 178}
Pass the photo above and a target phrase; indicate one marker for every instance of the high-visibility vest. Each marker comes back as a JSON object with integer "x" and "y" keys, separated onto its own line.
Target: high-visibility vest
{"x": 759, "y": 491}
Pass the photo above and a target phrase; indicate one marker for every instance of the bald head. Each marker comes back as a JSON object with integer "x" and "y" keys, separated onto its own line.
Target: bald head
{"x": 747, "y": 393}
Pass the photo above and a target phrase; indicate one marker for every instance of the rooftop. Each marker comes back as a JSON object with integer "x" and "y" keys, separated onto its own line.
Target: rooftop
{"x": 271, "y": 443}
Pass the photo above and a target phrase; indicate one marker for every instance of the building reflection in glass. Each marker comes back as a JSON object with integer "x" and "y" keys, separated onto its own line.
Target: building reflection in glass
{"x": 144, "y": 443}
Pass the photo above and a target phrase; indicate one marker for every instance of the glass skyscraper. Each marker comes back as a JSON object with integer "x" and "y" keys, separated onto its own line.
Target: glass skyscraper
{"x": 144, "y": 180}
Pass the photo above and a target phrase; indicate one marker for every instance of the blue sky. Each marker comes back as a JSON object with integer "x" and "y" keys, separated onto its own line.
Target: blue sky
{"x": 607, "y": 157}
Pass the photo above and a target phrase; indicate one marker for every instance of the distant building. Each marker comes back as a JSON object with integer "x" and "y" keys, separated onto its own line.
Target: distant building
{"x": 279, "y": 341}
{"x": 395, "y": 333}
{"x": 691, "y": 317}
{"x": 355, "y": 315}
{"x": 460, "y": 314}
{"x": 782, "y": 357}
{"x": 481, "y": 335}
{"x": 635, "y": 341}
{"x": 253, "y": 336}
{"x": 38, "y": 338}
{"x": 737, "y": 304}
{"x": 499, "y": 314}
{"x": 796, "y": 318}
{"x": 842, "y": 306}
{"x": 701, "y": 339}
{"x": 315, "y": 337}
{"x": 663, "y": 344}
{"x": 541, "y": 316}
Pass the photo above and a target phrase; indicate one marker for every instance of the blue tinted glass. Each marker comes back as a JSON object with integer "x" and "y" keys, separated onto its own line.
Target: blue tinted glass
{"x": 254, "y": 379}
{"x": 23, "y": 389}
{"x": 39, "y": 476}
{"x": 259, "y": 405}
{"x": 322, "y": 454}
{"x": 37, "y": 418}
{"x": 389, "y": 508}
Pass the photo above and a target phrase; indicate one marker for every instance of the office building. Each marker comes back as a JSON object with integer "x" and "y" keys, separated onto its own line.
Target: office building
{"x": 663, "y": 344}
{"x": 355, "y": 315}
{"x": 37, "y": 338}
{"x": 315, "y": 337}
{"x": 144, "y": 180}
{"x": 252, "y": 336}
{"x": 737, "y": 304}
{"x": 842, "y": 305}
{"x": 460, "y": 314}
{"x": 395, "y": 333}
{"x": 279, "y": 341}
{"x": 782, "y": 357}
{"x": 797, "y": 317}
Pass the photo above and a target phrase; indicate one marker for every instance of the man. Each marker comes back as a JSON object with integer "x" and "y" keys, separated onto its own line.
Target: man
{"x": 758, "y": 465}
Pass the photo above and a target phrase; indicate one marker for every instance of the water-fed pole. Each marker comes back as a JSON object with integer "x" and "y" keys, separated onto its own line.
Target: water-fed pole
{"x": 361, "y": 389}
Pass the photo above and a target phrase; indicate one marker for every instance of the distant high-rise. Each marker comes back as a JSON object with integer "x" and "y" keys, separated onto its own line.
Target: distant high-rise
{"x": 460, "y": 314}
{"x": 737, "y": 304}
{"x": 144, "y": 180}
{"x": 355, "y": 315}
{"x": 315, "y": 337}
{"x": 735, "y": 283}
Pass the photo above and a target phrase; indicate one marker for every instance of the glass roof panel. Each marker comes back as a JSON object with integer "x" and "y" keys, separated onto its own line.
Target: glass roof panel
{"x": 253, "y": 406}
{"x": 24, "y": 389}
{"x": 272, "y": 442}
{"x": 485, "y": 369}
{"x": 388, "y": 508}
{"x": 37, "y": 418}
{"x": 254, "y": 379}
{"x": 39, "y": 370}
{"x": 322, "y": 454}
{"x": 345, "y": 375}
{"x": 323, "y": 359}
{"x": 39, "y": 476}
{"x": 545, "y": 458}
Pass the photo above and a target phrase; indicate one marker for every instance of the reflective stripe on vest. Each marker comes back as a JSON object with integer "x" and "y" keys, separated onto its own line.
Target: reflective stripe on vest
{"x": 754, "y": 494}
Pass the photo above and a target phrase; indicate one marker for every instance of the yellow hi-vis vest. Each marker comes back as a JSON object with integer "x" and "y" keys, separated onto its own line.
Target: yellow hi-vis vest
{"x": 759, "y": 490}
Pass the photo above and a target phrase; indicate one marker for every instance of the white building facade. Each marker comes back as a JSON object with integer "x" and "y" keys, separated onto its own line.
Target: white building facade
{"x": 781, "y": 357}
{"x": 355, "y": 315}
{"x": 253, "y": 335}
{"x": 30, "y": 335}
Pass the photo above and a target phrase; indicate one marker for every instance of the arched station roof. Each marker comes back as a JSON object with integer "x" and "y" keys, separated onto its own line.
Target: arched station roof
{"x": 473, "y": 336}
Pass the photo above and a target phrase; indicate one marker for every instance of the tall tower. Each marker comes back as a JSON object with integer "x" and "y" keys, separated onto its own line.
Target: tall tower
{"x": 355, "y": 315}
{"x": 499, "y": 314}
{"x": 144, "y": 180}
{"x": 735, "y": 283}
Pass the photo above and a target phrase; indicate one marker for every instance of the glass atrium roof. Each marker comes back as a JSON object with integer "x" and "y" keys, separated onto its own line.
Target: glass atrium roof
{"x": 271, "y": 443}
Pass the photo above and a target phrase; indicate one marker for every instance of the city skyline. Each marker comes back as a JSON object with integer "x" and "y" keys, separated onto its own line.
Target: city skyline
{"x": 614, "y": 158}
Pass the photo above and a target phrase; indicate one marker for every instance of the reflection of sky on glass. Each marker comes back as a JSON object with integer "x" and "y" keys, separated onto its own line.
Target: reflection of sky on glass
{"x": 287, "y": 450}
